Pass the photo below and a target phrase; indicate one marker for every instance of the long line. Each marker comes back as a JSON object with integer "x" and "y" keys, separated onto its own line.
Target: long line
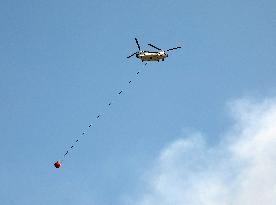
{"x": 98, "y": 117}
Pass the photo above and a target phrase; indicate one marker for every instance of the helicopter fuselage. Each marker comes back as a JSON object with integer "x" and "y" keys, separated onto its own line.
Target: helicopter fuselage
{"x": 151, "y": 56}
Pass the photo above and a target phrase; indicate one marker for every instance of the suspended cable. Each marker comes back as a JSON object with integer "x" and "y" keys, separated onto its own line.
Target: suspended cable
{"x": 58, "y": 163}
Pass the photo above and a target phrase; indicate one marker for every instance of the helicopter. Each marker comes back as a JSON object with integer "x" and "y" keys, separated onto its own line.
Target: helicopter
{"x": 151, "y": 55}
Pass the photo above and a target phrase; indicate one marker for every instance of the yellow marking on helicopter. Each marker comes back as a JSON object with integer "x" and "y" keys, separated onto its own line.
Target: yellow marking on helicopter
{"x": 150, "y": 55}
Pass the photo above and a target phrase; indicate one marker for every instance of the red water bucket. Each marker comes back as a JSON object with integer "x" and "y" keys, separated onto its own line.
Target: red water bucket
{"x": 57, "y": 164}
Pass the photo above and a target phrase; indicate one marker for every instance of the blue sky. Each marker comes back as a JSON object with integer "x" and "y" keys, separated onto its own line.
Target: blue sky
{"x": 63, "y": 61}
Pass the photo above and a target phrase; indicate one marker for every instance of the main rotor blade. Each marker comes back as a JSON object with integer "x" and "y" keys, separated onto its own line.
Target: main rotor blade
{"x": 132, "y": 55}
{"x": 155, "y": 47}
{"x": 137, "y": 44}
{"x": 173, "y": 48}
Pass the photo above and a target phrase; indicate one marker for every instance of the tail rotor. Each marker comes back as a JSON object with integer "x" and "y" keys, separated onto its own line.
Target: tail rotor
{"x": 138, "y": 48}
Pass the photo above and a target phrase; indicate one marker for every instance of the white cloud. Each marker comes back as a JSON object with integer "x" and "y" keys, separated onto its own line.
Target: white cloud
{"x": 241, "y": 170}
